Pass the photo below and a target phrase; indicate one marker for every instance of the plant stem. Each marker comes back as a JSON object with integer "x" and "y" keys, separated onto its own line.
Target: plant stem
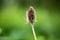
{"x": 34, "y": 32}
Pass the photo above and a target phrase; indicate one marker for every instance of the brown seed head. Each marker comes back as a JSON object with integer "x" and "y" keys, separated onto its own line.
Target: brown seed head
{"x": 31, "y": 15}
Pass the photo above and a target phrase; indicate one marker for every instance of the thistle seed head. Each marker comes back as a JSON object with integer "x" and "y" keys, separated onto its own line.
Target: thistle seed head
{"x": 31, "y": 15}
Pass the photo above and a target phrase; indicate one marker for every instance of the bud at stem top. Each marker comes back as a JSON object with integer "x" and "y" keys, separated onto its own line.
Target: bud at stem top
{"x": 31, "y": 15}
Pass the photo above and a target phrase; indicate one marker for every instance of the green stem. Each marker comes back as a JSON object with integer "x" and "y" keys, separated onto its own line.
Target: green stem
{"x": 34, "y": 32}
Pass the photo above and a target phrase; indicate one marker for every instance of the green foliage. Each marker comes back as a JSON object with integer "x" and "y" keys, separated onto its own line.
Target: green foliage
{"x": 13, "y": 21}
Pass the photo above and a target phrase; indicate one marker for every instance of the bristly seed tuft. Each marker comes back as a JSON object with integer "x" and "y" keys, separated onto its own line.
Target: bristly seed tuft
{"x": 31, "y": 15}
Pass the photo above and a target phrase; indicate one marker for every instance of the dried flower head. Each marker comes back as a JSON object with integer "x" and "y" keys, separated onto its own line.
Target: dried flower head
{"x": 31, "y": 15}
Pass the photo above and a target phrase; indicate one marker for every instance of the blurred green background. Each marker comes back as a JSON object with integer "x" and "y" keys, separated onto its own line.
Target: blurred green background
{"x": 13, "y": 24}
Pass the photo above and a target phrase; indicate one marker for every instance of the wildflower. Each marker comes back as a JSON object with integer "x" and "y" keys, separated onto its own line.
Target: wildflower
{"x": 30, "y": 15}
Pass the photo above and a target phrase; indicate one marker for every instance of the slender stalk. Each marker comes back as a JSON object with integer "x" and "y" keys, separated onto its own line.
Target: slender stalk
{"x": 34, "y": 32}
